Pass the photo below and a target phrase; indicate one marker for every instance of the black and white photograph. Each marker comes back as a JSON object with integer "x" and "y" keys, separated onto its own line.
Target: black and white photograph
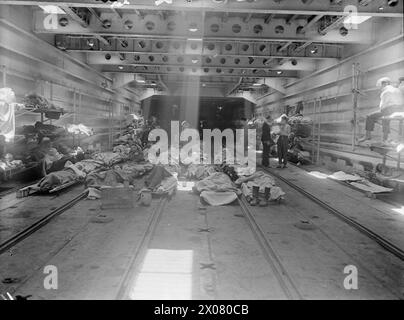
{"x": 201, "y": 158}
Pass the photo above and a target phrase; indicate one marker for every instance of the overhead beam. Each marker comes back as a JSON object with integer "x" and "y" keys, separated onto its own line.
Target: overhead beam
{"x": 199, "y": 72}
{"x": 165, "y": 48}
{"x": 160, "y": 31}
{"x": 259, "y": 7}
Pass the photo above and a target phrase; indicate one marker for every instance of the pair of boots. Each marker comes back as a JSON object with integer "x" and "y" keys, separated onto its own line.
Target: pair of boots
{"x": 256, "y": 200}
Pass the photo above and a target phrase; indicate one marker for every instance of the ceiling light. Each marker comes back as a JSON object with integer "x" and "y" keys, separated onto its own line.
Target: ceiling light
{"x": 257, "y": 84}
{"x": 195, "y": 60}
{"x": 120, "y": 67}
{"x": 355, "y": 19}
{"x": 279, "y": 72}
{"x": 314, "y": 50}
{"x": 193, "y": 27}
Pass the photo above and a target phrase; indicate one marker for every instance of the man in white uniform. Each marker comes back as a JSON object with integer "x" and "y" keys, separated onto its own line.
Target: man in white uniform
{"x": 390, "y": 101}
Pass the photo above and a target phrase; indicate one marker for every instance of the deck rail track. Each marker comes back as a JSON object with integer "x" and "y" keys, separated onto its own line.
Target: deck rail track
{"x": 140, "y": 251}
{"x": 18, "y": 237}
{"x": 284, "y": 278}
{"x": 383, "y": 242}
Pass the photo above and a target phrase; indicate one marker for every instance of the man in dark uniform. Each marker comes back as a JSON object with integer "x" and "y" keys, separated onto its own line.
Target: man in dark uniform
{"x": 267, "y": 141}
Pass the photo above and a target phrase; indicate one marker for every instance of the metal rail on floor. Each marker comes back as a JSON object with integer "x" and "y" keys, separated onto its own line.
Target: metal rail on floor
{"x": 124, "y": 287}
{"x": 285, "y": 280}
{"x": 15, "y": 239}
{"x": 386, "y": 244}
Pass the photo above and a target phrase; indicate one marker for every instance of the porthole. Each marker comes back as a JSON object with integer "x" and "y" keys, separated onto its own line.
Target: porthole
{"x": 262, "y": 47}
{"x": 300, "y": 30}
{"x": 107, "y": 56}
{"x": 343, "y": 31}
{"x": 258, "y": 29}
{"x": 171, "y": 26}
{"x": 151, "y": 58}
{"x": 176, "y": 45}
{"x": 237, "y": 61}
{"x": 124, "y": 43}
{"x": 218, "y": 70}
{"x": 136, "y": 58}
{"x": 165, "y": 58}
{"x": 159, "y": 45}
{"x": 211, "y": 46}
{"x": 208, "y": 60}
{"x": 150, "y": 25}
{"x": 142, "y": 44}
{"x": 206, "y": 70}
{"x": 194, "y": 46}
{"x": 180, "y": 59}
{"x": 182, "y": 69}
{"x": 169, "y": 69}
{"x": 214, "y": 27}
{"x": 228, "y": 47}
{"x": 279, "y": 29}
{"x": 63, "y": 22}
{"x": 236, "y": 28}
{"x": 222, "y": 60}
{"x": 128, "y": 24}
{"x": 106, "y": 24}
{"x": 245, "y": 47}
{"x": 122, "y": 56}
{"x": 231, "y": 70}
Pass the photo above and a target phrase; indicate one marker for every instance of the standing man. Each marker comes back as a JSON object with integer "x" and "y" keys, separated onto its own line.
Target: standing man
{"x": 390, "y": 102}
{"x": 266, "y": 140}
{"x": 283, "y": 142}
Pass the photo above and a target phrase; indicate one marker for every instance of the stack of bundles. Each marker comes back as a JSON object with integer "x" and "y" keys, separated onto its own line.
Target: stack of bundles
{"x": 301, "y": 126}
{"x": 9, "y": 163}
{"x": 35, "y": 101}
{"x": 262, "y": 180}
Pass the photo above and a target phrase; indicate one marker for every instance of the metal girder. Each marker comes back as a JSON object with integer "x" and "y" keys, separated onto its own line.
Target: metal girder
{"x": 73, "y": 15}
{"x": 154, "y": 60}
{"x": 259, "y": 7}
{"x": 212, "y": 29}
{"x": 199, "y": 72}
{"x": 198, "y": 49}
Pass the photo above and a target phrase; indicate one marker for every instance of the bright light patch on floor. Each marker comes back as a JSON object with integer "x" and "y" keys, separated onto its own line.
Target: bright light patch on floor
{"x": 399, "y": 210}
{"x": 185, "y": 185}
{"x": 318, "y": 175}
{"x": 165, "y": 275}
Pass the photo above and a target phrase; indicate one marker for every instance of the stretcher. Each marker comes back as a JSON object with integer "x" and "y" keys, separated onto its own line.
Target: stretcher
{"x": 33, "y": 189}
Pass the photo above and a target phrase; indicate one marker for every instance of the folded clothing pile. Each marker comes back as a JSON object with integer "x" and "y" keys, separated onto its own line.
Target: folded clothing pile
{"x": 262, "y": 180}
